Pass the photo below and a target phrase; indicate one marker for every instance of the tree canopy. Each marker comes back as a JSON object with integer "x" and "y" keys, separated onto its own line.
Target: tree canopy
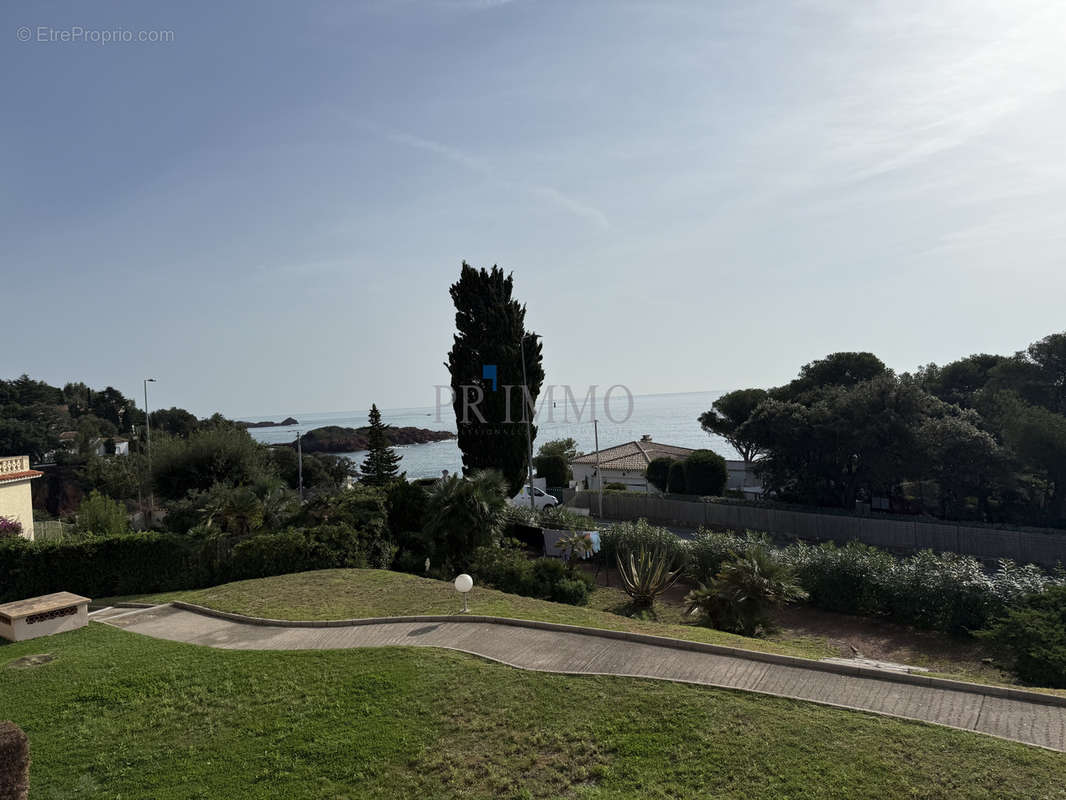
{"x": 983, "y": 437}
{"x": 486, "y": 369}
{"x": 379, "y": 467}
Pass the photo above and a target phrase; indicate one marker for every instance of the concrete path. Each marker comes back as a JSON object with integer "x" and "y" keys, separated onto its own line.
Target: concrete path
{"x": 1007, "y": 714}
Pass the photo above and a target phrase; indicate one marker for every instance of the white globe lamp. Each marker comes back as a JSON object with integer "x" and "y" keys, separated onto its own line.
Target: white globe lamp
{"x": 463, "y": 584}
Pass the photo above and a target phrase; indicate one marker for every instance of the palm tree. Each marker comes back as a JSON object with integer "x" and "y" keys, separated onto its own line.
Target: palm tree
{"x": 578, "y": 544}
{"x": 464, "y": 514}
{"x": 744, "y": 594}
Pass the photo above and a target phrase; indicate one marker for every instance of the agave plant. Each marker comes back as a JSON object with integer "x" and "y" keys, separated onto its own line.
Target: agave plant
{"x": 743, "y": 595}
{"x": 647, "y": 572}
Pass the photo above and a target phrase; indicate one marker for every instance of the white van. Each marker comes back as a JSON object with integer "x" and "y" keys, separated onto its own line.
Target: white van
{"x": 541, "y": 499}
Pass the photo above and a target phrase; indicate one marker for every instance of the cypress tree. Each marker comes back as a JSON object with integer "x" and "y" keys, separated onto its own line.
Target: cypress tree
{"x": 490, "y": 326}
{"x": 379, "y": 466}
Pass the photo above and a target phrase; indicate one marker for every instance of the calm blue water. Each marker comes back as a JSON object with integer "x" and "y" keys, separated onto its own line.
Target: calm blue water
{"x": 669, "y": 418}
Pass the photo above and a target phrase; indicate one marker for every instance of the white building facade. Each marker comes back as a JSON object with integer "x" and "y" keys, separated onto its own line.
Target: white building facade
{"x": 16, "y": 499}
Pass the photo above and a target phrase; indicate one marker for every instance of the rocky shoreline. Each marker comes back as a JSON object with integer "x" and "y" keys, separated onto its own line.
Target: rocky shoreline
{"x": 336, "y": 439}
{"x": 285, "y": 423}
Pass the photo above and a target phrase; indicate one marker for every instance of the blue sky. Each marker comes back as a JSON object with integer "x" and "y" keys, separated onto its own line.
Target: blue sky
{"x": 266, "y": 212}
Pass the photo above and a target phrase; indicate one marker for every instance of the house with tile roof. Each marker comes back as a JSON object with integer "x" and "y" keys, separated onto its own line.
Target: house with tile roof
{"x": 624, "y": 464}
{"x": 16, "y": 500}
{"x": 627, "y": 464}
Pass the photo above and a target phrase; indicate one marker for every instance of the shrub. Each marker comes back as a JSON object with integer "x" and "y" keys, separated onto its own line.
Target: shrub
{"x": 220, "y": 453}
{"x": 553, "y": 468}
{"x": 614, "y": 487}
{"x": 658, "y": 472}
{"x": 405, "y": 506}
{"x": 633, "y": 536}
{"x": 503, "y": 568}
{"x": 708, "y": 551}
{"x": 547, "y": 572}
{"x": 509, "y": 570}
{"x": 558, "y": 518}
{"x": 410, "y": 561}
{"x": 99, "y": 514}
{"x": 572, "y": 591}
{"x": 677, "y": 483}
{"x": 14, "y": 762}
{"x": 141, "y": 563}
{"x": 744, "y": 594}
{"x": 849, "y": 579}
{"x": 943, "y": 591}
{"x": 10, "y": 528}
{"x": 278, "y": 553}
{"x": 1034, "y": 636}
{"x": 705, "y": 473}
{"x": 133, "y": 563}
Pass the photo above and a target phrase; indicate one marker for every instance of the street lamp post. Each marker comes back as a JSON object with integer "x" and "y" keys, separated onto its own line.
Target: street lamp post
{"x": 300, "y": 462}
{"x": 599, "y": 474}
{"x": 148, "y": 440}
{"x": 525, "y": 413}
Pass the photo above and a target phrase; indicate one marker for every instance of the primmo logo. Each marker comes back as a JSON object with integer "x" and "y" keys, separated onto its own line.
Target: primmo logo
{"x": 557, "y": 402}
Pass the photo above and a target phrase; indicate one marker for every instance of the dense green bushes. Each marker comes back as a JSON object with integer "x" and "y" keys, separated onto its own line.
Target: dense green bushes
{"x": 746, "y": 591}
{"x": 709, "y": 552}
{"x": 221, "y": 453}
{"x": 509, "y": 570}
{"x": 555, "y": 469}
{"x": 97, "y": 567}
{"x": 676, "y": 479}
{"x": 658, "y": 472}
{"x": 140, "y": 563}
{"x": 705, "y": 473}
{"x": 639, "y": 535}
{"x": 945, "y": 591}
{"x": 1034, "y": 635}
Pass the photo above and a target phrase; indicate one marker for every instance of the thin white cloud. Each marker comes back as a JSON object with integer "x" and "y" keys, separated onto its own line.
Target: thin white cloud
{"x": 553, "y": 195}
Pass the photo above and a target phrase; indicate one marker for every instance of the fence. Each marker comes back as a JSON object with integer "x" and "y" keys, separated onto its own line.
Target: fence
{"x": 52, "y": 531}
{"x": 1046, "y": 549}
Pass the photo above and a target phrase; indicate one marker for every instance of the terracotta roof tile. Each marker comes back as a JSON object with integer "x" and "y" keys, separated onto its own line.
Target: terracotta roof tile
{"x": 18, "y": 476}
{"x": 634, "y": 455}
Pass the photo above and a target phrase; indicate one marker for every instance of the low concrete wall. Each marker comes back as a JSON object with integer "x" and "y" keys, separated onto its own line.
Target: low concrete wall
{"x": 1025, "y": 547}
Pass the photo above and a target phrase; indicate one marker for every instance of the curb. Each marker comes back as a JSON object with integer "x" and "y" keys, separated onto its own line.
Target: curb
{"x": 659, "y": 641}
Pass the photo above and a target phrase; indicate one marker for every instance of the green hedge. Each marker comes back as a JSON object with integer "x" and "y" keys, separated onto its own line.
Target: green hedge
{"x": 1034, "y": 636}
{"x": 98, "y": 567}
{"x": 509, "y": 570}
{"x": 142, "y": 563}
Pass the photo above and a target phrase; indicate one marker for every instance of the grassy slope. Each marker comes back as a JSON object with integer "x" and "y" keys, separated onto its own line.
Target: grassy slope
{"x": 353, "y": 593}
{"x": 121, "y": 715}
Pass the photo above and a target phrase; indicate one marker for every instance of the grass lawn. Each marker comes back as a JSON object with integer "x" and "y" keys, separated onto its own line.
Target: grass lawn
{"x": 352, "y": 593}
{"x": 121, "y": 715}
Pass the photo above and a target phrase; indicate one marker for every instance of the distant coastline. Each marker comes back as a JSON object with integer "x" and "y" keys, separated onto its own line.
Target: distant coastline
{"x": 285, "y": 423}
{"x": 338, "y": 439}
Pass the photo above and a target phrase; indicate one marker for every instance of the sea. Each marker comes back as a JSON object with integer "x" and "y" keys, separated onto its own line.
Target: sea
{"x": 667, "y": 418}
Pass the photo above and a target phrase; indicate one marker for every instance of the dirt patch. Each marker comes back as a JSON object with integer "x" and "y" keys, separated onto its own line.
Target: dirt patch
{"x": 866, "y": 637}
{"x": 31, "y": 661}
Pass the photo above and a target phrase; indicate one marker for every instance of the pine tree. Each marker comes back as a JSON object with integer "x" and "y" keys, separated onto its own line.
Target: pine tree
{"x": 379, "y": 467}
{"x": 490, "y": 327}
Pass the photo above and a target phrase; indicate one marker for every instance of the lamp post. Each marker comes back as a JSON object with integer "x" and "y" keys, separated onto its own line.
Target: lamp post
{"x": 525, "y": 413}
{"x": 300, "y": 462}
{"x": 599, "y": 475}
{"x": 463, "y": 584}
{"x": 148, "y": 440}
